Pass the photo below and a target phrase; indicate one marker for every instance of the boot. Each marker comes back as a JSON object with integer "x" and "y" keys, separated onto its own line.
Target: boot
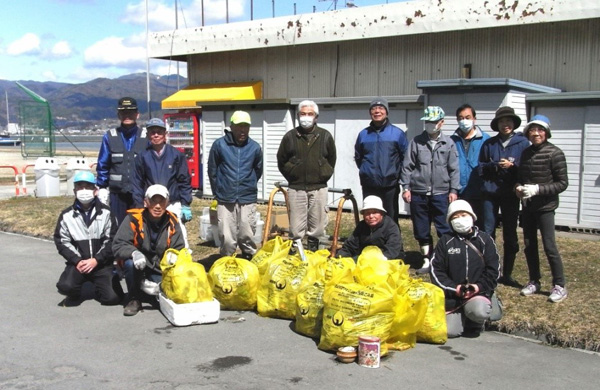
{"x": 312, "y": 244}
{"x": 425, "y": 252}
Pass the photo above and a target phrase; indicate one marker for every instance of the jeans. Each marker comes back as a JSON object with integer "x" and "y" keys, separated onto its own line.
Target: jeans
{"x": 509, "y": 205}
{"x": 389, "y": 196}
{"x": 544, "y": 221}
{"x": 134, "y": 276}
{"x": 425, "y": 209}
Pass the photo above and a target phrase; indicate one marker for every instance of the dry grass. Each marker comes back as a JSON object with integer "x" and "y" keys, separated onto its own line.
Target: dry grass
{"x": 572, "y": 323}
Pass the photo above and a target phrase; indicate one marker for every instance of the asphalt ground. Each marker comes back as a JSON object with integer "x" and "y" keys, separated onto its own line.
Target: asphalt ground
{"x": 45, "y": 346}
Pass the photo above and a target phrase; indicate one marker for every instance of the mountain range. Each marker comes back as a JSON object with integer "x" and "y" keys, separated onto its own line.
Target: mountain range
{"x": 78, "y": 105}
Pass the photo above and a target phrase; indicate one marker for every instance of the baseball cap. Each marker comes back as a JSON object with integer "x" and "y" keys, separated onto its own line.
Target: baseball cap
{"x": 157, "y": 189}
{"x": 240, "y": 117}
{"x": 86, "y": 176}
{"x": 433, "y": 114}
{"x": 155, "y": 122}
{"x": 127, "y": 103}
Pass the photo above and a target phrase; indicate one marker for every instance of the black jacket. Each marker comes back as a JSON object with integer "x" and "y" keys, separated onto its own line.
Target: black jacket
{"x": 386, "y": 236}
{"x": 546, "y": 166}
{"x": 455, "y": 263}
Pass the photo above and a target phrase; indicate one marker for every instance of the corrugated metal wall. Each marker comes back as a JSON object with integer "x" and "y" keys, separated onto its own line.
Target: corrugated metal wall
{"x": 562, "y": 55}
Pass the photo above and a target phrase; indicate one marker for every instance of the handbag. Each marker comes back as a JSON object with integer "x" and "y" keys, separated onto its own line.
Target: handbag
{"x": 497, "y": 306}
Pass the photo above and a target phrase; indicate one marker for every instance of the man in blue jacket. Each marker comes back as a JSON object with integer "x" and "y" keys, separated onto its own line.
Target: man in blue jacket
{"x": 116, "y": 159}
{"x": 499, "y": 162}
{"x": 235, "y": 164}
{"x": 469, "y": 138}
{"x": 378, "y": 152}
{"x": 161, "y": 163}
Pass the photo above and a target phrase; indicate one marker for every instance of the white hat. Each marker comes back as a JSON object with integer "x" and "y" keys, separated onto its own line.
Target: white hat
{"x": 460, "y": 205}
{"x": 372, "y": 202}
{"x": 157, "y": 189}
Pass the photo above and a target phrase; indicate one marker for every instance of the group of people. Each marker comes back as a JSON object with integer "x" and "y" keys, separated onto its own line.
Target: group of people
{"x": 458, "y": 183}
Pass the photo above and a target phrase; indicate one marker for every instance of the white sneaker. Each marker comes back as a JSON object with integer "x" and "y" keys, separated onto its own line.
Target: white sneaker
{"x": 530, "y": 289}
{"x": 558, "y": 294}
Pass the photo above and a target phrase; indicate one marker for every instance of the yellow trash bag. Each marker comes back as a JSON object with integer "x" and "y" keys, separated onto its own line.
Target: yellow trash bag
{"x": 280, "y": 285}
{"x": 410, "y": 307}
{"x": 309, "y": 301}
{"x": 434, "y": 329}
{"x": 184, "y": 281}
{"x": 352, "y": 310}
{"x": 234, "y": 283}
{"x": 372, "y": 269}
{"x": 272, "y": 249}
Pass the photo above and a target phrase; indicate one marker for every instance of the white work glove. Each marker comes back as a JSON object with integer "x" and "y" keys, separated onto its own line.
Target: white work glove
{"x": 171, "y": 258}
{"x": 530, "y": 190}
{"x": 150, "y": 287}
{"x": 104, "y": 196}
{"x": 139, "y": 260}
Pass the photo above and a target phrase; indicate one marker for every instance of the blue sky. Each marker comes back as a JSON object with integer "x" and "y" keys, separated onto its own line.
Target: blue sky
{"x": 74, "y": 41}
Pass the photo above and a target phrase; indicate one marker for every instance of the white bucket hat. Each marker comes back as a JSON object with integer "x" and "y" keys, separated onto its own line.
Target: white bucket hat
{"x": 460, "y": 205}
{"x": 372, "y": 202}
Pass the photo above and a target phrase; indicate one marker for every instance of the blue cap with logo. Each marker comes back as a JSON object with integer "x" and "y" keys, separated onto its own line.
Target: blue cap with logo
{"x": 86, "y": 176}
{"x": 156, "y": 122}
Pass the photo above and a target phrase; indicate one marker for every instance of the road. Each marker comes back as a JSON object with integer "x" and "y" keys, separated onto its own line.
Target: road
{"x": 45, "y": 346}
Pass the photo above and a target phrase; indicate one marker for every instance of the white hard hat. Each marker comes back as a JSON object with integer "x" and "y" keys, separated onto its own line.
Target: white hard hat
{"x": 460, "y": 205}
{"x": 372, "y": 202}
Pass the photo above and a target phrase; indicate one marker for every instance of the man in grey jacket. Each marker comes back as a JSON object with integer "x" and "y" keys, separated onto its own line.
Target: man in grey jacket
{"x": 430, "y": 181}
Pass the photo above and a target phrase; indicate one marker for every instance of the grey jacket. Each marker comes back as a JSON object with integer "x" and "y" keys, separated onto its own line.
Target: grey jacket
{"x": 431, "y": 171}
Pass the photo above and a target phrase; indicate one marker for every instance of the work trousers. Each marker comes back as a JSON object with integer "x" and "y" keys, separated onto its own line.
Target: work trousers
{"x": 472, "y": 315}
{"x": 119, "y": 204}
{"x": 509, "y": 205}
{"x": 425, "y": 209}
{"x": 389, "y": 196}
{"x": 71, "y": 281}
{"x": 544, "y": 221}
{"x": 308, "y": 213}
{"x": 237, "y": 226}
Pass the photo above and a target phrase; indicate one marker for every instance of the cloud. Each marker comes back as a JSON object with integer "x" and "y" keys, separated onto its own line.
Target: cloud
{"x": 49, "y": 75}
{"x": 28, "y": 44}
{"x": 115, "y": 51}
{"x": 61, "y": 49}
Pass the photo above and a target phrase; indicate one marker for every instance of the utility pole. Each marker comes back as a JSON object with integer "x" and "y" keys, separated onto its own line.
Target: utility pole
{"x": 177, "y": 28}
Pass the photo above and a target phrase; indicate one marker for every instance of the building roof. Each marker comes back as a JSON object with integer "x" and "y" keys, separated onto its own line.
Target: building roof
{"x": 385, "y": 20}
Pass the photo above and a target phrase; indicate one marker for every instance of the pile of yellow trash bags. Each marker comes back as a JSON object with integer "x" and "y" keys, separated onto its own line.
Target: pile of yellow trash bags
{"x": 334, "y": 300}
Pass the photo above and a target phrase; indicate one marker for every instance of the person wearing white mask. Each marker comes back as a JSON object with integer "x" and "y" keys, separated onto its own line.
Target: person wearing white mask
{"x": 306, "y": 159}
{"x": 83, "y": 238}
{"x": 469, "y": 139}
{"x": 466, "y": 266}
{"x": 430, "y": 180}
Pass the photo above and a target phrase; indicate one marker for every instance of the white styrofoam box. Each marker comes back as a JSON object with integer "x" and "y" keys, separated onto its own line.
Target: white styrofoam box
{"x": 184, "y": 314}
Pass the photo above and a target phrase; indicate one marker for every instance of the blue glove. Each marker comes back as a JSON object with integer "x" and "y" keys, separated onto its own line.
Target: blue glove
{"x": 186, "y": 214}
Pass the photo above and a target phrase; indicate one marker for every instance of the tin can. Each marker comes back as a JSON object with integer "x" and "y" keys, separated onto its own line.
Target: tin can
{"x": 369, "y": 352}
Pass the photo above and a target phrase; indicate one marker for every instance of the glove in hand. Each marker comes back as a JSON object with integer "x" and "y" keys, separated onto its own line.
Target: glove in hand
{"x": 186, "y": 214}
{"x": 530, "y": 190}
{"x": 139, "y": 260}
{"x": 104, "y": 196}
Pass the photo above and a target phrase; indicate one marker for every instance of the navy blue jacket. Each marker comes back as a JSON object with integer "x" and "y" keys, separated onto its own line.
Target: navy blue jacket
{"x": 379, "y": 155}
{"x": 499, "y": 181}
{"x": 170, "y": 170}
{"x": 234, "y": 170}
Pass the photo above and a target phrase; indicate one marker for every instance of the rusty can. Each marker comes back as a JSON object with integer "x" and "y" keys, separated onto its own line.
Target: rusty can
{"x": 369, "y": 351}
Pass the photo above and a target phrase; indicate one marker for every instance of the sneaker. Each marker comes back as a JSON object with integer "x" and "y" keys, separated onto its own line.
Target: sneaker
{"x": 530, "y": 289}
{"x": 558, "y": 294}
{"x": 70, "y": 302}
{"x": 508, "y": 281}
{"x": 426, "y": 267}
{"x": 132, "y": 308}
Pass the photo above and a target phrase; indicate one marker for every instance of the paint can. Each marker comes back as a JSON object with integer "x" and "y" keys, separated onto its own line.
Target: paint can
{"x": 369, "y": 352}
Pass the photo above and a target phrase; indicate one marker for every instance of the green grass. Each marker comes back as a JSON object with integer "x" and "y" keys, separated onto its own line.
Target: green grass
{"x": 571, "y": 323}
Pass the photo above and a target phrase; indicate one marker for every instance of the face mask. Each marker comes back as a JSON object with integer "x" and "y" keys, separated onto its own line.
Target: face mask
{"x": 85, "y": 196}
{"x": 306, "y": 122}
{"x": 462, "y": 225}
{"x": 465, "y": 125}
{"x": 431, "y": 128}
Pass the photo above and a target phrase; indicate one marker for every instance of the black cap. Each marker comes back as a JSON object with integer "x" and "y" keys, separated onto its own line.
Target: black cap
{"x": 127, "y": 103}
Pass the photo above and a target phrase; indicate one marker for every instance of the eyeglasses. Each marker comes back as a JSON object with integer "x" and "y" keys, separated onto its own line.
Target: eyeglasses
{"x": 536, "y": 130}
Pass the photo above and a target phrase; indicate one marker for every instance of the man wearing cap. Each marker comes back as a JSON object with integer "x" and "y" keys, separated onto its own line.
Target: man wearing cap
{"x": 83, "y": 237}
{"x": 430, "y": 180}
{"x": 499, "y": 161}
{"x": 465, "y": 265}
{"x": 376, "y": 228}
{"x": 542, "y": 176}
{"x": 469, "y": 139}
{"x": 235, "y": 164}
{"x": 378, "y": 152}
{"x": 115, "y": 168}
{"x": 141, "y": 241}
{"x": 161, "y": 163}
{"x": 306, "y": 158}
